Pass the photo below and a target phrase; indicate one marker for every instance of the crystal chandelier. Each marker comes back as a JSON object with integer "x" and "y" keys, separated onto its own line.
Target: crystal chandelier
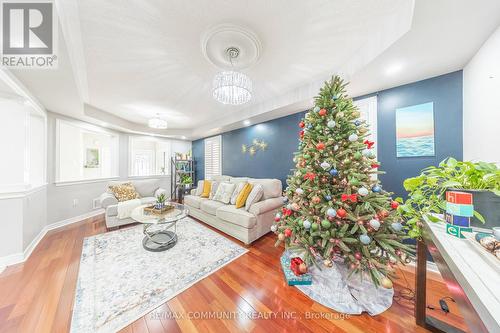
{"x": 157, "y": 122}
{"x": 231, "y": 87}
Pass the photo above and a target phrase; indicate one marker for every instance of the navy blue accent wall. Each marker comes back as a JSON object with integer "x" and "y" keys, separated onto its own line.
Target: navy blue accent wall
{"x": 282, "y": 136}
{"x": 446, "y": 93}
{"x": 198, "y": 148}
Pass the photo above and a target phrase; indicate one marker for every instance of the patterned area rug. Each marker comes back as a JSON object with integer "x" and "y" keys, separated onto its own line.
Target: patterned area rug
{"x": 119, "y": 281}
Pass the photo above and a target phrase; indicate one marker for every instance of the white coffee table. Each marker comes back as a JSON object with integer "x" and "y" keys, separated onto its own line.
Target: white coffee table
{"x": 160, "y": 231}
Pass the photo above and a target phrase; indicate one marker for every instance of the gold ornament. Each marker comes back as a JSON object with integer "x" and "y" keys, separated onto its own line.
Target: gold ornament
{"x": 328, "y": 263}
{"x": 386, "y": 283}
{"x": 281, "y": 237}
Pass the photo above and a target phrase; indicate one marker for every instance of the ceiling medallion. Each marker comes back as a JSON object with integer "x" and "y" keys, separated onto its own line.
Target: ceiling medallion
{"x": 231, "y": 87}
{"x": 157, "y": 122}
{"x": 231, "y": 48}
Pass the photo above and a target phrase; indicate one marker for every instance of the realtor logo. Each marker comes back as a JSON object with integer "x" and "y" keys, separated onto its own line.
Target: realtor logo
{"x": 29, "y": 34}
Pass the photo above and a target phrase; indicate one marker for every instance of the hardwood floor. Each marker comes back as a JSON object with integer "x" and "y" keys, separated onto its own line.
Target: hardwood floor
{"x": 247, "y": 295}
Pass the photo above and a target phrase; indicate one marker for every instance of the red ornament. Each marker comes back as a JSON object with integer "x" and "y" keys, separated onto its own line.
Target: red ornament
{"x": 301, "y": 134}
{"x": 394, "y": 204}
{"x": 322, "y": 112}
{"x": 375, "y": 165}
{"x": 277, "y": 218}
{"x": 358, "y": 255}
{"x": 302, "y": 124}
{"x": 369, "y": 144}
{"x": 288, "y": 232}
{"x": 352, "y": 197}
{"x": 383, "y": 214}
{"x": 320, "y": 146}
{"x": 316, "y": 200}
{"x": 341, "y": 213}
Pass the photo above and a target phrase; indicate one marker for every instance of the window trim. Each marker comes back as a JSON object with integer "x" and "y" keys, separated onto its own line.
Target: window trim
{"x": 148, "y": 138}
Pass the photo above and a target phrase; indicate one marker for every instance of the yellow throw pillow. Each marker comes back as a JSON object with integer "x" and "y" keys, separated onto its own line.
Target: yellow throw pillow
{"x": 242, "y": 197}
{"x": 207, "y": 186}
{"x": 124, "y": 192}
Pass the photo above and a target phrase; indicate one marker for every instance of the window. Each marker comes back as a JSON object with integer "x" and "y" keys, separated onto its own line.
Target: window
{"x": 85, "y": 152}
{"x": 149, "y": 156}
{"x": 213, "y": 157}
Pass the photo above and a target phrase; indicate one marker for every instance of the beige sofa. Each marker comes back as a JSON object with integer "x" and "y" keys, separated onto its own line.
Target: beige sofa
{"x": 247, "y": 226}
{"x": 148, "y": 189}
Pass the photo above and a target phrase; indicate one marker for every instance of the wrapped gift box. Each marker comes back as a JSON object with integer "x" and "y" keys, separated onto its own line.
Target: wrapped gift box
{"x": 460, "y": 221}
{"x": 456, "y": 230}
{"x": 290, "y": 277}
{"x": 459, "y": 209}
{"x": 462, "y": 198}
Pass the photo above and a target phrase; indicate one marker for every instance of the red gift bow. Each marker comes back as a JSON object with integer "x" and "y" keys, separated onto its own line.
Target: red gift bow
{"x": 310, "y": 176}
{"x": 294, "y": 265}
{"x": 352, "y": 197}
{"x": 369, "y": 144}
{"x": 375, "y": 165}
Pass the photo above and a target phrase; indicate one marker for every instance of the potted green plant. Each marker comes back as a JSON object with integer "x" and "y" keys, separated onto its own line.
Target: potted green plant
{"x": 160, "y": 201}
{"x": 186, "y": 180}
{"x": 426, "y": 192}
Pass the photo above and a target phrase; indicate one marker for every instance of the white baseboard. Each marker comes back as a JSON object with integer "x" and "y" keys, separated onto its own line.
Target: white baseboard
{"x": 17, "y": 258}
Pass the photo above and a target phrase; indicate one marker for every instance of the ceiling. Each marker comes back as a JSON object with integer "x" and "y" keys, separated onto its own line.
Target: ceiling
{"x": 120, "y": 63}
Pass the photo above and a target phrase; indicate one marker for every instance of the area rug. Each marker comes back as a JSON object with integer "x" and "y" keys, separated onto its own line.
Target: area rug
{"x": 119, "y": 281}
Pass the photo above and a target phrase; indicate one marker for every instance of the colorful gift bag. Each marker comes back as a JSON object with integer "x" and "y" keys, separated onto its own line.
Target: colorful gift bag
{"x": 291, "y": 278}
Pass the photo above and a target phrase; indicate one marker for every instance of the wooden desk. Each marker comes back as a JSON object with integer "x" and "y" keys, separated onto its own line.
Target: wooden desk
{"x": 473, "y": 282}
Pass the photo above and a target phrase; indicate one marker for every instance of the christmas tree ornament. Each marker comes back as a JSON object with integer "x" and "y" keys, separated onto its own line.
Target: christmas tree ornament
{"x": 288, "y": 232}
{"x": 299, "y": 191}
{"x": 357, "y": 122}
{"x": 375, "y": 224}
{"x": 375, "y": 165}
{"x": 363, "y": 130}
{"x": 310, "y": 176}
{"x": 376, "y": 189}
{"x": 397, "y": 226}
{"x": 301, "y": 134}
{"x": 303, "y": 268}
{"x": 394, "y": 204}
{"x": 353, "y": 137}
{"x": 316, "y": 200}
{"x": 295, "y": 206}
{"x": 356, "y": 114}
{"x": 331, "y": 212}
{"x": 331, "y": 123}
{"x": 281, "y": 237}
{"x": 340, "y": 115}
{"x": 366, "y": 152}
{"x": 358, "y": 255}
{"x": 320, "y": 146}
{"x": 336, "y": 147}
{"x": 334, "y": 172}
{"x": 354, "y": 181}
{"x": 277, "y": 218}
{"x": 341, "y": 212}
{"x": 285, "y": 199}
{"x": 383, "y": 214}
{"x": 274, "y": 227}
{"x": 362, "y": 191}
{"x": 324, "y": 180}
{"x": 325, "y": 224}
{"x": 327, "y": 263}
{"x": 306, "y": 224}
{"x": 314, "y": 226}
{"x": 349, "y": 197}
{"x": 369, "y": 144}
{"x": 328, "y": 197}
{"x": 357, "y": 155}
{"x": 310, "y": 126}
{"x": 302, "y": 124}
{"x": 386, "y": 283}
{"x": 316, "y": 109}
{"x": 325, "y": 165}
{"x": 365, "y": 239}
{"x": 322, "y": 112}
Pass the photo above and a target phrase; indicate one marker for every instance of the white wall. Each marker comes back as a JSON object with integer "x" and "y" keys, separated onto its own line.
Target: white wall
{"x": 482, "y": 103}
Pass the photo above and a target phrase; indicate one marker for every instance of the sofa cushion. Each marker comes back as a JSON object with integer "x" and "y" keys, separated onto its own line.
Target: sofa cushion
{"x": 213, "y": 189}
{"x": 272, "y": 187}
{"x": 254, "y": 196}
{"x": 124, "y": 191}
{"x": 224, "y": 192}
{"x": 194, "y": 201}
{"x": 236, "y": 180}
{"x": 221, "y": 178}
{"x": 236, "y": 191}
{"x": 210, "y": 206}
{"x": 236, "y": 216}
{"x": 146, "y": 187}
{"x": 199, "y": 189}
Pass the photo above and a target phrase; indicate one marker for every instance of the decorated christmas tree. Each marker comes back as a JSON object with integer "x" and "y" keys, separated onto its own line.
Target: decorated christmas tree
{"x": 336, "y": 208}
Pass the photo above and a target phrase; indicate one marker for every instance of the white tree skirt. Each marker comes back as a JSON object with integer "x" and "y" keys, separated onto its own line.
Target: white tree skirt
{"x": 331, "y": 288}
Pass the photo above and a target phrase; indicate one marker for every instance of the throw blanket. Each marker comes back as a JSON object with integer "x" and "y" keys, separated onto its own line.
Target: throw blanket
{"x": 125, "y": 208}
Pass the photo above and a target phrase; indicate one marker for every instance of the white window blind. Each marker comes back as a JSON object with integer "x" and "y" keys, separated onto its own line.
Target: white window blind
{"x": 213, "y": 157}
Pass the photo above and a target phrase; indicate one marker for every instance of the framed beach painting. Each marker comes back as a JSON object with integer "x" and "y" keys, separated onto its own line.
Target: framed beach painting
{"x": 415, "y": 130}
